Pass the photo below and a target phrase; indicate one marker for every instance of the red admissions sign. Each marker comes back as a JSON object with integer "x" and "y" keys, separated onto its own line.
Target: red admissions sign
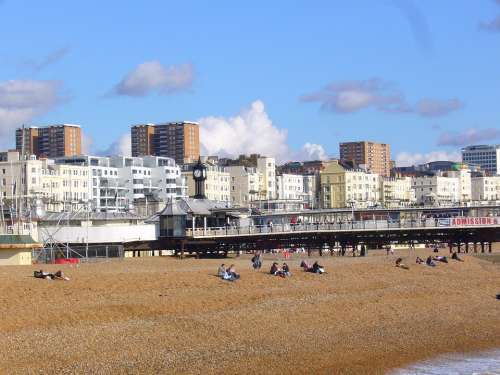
{"x": 475, "y": 221}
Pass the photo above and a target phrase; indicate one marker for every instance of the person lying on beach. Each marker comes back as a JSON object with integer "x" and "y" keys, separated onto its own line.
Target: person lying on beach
{"x": 454, "y": 256}
{"x": 306, "y": 266}
{"x": 400, "y": 264}
{"x": 59, "y": 275}
{"x": 221, "y": 271}
{"x": 440, "y": 258}
{"x": 430, "y": 262}
{"x": 419, "y": 260}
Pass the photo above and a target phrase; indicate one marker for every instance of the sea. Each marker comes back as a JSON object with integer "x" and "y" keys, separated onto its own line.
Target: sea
{"x": 484, "y": 363}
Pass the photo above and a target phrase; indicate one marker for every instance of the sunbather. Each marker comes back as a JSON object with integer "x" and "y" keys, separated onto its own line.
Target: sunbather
{"x": 400, "y": 264}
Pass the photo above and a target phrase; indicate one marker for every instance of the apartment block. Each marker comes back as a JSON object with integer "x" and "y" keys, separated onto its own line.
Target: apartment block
{"x": 290, "y": 186}
{"x": 486, "y": 188}
{"x": 117, "y": 182}
{"x": 51, "y": 141}
{"x": 342, "y": 186}
{"x": 247, "y": 184}
{"x": 177, "y": 140}
{"x": 375, "y": 157}
{"x": 396, "y": 192}
{"x": 267, "y": 166}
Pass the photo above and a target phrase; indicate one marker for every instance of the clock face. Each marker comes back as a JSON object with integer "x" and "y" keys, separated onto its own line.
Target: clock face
{"x": 197, "y": 173}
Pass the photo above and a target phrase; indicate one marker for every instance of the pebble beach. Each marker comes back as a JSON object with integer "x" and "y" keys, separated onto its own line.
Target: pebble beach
{"x": 162, "y": 315}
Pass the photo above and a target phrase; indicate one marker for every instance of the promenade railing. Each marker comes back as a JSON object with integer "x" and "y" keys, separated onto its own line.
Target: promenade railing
{"x": 339, "y": 226}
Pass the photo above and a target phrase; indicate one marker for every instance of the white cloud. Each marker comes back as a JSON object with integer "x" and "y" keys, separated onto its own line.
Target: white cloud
{"x": 311, "y": 151}
{"x": 434, "y": 108}
{"x": 404, "y": 159}
{"x": 250, "y": 132}
{"x": 152, "y": 76}
{"x": 354, "y": 96}
{"x": 468, "y": 136}
{"x": 23, "y": 100}
{"x": 122, "y": 146}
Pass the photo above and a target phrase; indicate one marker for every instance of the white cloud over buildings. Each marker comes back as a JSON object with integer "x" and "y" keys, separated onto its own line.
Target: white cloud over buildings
{"x": 404, "y": 159}
{"x": 23, "y": 100}
{"x": 251, "y": 131}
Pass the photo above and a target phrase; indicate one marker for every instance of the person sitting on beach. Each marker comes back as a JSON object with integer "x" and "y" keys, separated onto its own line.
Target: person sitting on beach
{"x": 400, "y": 264}
{"x": 440, "y": 258}
{"x": 274, "y": 269}
{"x": 221, "y": 271}
{"x": 419, "y": 260}
{"x": 316, "y": 268}
{"x": 429, "y": 262}
{"x": 454, "y": 256}
{"x": 232, "y": 273}
{"x": 436, "y": 249}
{"x": 286, "y": 270}
{"x": 257, "y": 261}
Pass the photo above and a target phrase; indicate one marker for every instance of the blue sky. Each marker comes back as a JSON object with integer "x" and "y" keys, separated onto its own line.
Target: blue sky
{"x": 420, "y": 75}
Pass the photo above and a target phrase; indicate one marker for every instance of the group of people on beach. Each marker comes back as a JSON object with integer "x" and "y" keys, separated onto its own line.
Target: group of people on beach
{"x": 430, "y": 261}
{"x": 282, "y": 271}
{"x": 230, "y": 273}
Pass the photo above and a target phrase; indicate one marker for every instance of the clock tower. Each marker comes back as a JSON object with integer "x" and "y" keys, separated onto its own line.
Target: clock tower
{"x": 199, "y": 177}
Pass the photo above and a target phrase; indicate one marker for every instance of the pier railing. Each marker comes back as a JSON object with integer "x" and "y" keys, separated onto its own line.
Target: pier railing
{"x": 362, "y": 225}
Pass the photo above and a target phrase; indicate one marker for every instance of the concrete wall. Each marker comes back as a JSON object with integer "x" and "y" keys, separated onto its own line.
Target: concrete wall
{"x": 15, "y": 257}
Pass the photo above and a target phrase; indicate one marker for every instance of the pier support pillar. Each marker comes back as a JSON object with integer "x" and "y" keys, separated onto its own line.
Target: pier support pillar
{"x": 467, "y": 247}
{"x": 489, "y": 247}
{"x": 475, "y": 247}
{"x": 482, "y": 247}
{"x": 450, "y": 245}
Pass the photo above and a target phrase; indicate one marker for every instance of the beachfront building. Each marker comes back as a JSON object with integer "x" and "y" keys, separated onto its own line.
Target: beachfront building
{"x": 217, "y": 183}
{"x": 396, "y": 192}
{"x": 311, "y": 196}
{"x": 342, "y": 186}
{"x": 289, "y": 186}
{"x": 486, "y": 189}
{"x": 247, "y": 184}
{"x": 267, "y": 166}
{"x": 117, "y": 182}
{"x": 54, "y": 186}
{"x": 436, "y": 190}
